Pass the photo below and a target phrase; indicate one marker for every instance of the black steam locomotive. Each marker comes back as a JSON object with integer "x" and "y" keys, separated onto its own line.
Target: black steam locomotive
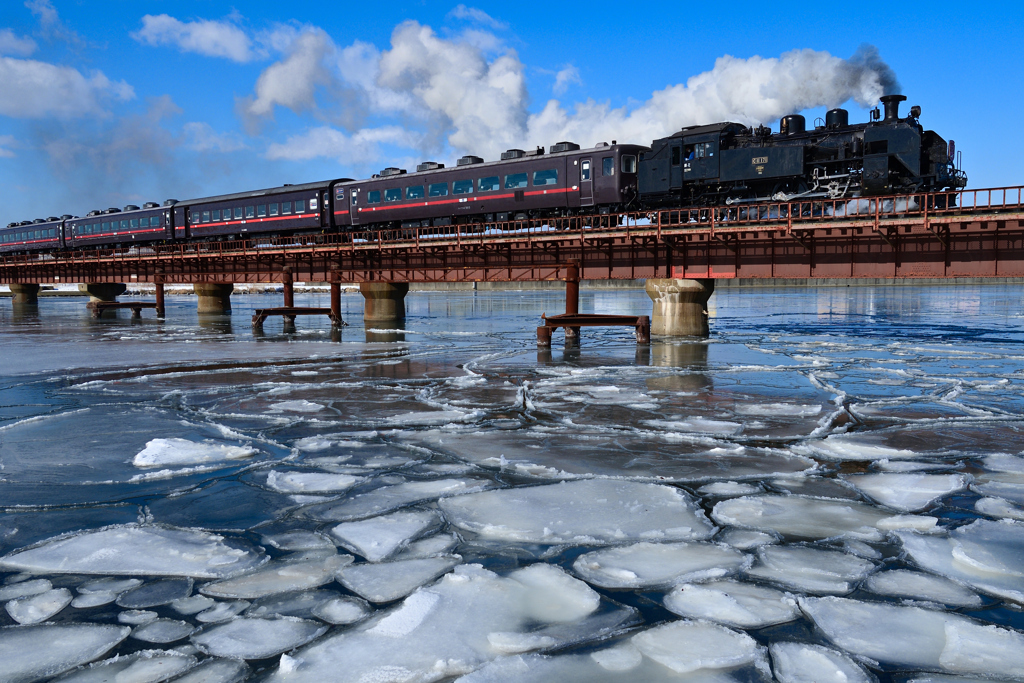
{"x": 728, "y": 163}
{"x": 713, "y": 165}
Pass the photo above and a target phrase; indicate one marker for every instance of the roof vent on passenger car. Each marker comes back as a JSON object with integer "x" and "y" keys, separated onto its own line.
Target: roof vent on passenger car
{"x": 512, "y": 154}
{"x": 428, "y": 166}
{"x": 564, "y": 147}
{"x": 150, "y": 205}
{"x": 170, "y": 202}
{"x": 39, "y": 220}
{"x": 391, "y": 170}
{"x": 52, "y": 218}
{"x": 131, "y": 207}
{"x": 113, "y": 209}
{"x": 469, "y": 160}
{"x": 94, "y": 212}
{"x": 66, "y": 216}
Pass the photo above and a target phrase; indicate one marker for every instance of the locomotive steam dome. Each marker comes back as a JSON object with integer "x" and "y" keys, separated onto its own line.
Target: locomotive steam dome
{"x": 794, "y": 123}
{"x": 837, "y": 118}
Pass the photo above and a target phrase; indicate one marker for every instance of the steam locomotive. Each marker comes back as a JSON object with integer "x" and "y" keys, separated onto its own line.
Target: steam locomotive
{"x": 712, "y": 165}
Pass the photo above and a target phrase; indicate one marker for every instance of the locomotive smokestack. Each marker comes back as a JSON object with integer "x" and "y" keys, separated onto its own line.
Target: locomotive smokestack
{"x": 892, "y": 107}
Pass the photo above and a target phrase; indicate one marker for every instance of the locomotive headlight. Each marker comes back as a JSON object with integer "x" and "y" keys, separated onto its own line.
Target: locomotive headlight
{"x": 915, "y": 111}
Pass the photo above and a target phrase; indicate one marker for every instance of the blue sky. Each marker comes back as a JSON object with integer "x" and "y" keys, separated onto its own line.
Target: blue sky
{"x": 108, "y": 103}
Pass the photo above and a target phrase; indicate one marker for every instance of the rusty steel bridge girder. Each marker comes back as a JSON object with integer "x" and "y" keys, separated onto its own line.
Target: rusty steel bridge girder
{"x": 983, "y": 239}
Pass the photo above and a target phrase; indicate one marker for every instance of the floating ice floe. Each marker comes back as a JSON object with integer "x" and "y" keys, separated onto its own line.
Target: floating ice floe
{"x": 728, "y": 488}
{"x": 903, "y": 583}
{"x": 24, "y": 589}
{"x": 388, "y": 498}
{"x": 278, "y": 577}
{"x": 217, "y": 671}
{"x": 155, "y": 594}
{"x": 136, "y": 550}
{"x": 37, "y": 608}
{"x": 777, "y": 409}
{"x": 596, "y": 511}
{"x": 341, "y": 611}
{"x": 387, "y": 581}
{"x": 698, "y": 425}
{"x": 137, "y": 616}
{"x": 150, "y": 666}
{"x": 431, "y": 546}
{"x": 687, "y": 646}
{"x": 222, "y": 611}
{"x": 907, "y": 492}
{"x": 94, "y": 599}
{"x": 379, "y": 537}
{"x": 300, "y": 406}
{"x": 658, "y": 565}
{"x": 811, "y": 570}
{"x": 744, "y": 539}
{"x": 985, "y": 555}
{"x": 991, "y": 485}
{"x": 116, "y": 585}
{"x": 170, "y": 452}
{"x": 918, "y": 638}
{"x": 457, "y": 624}
{"x": 844, "y": 447}
{"x": 310, "y": 482}
{"x": 805, "y": 663}
{"x": 192, "y": 604}
{"x": 741, "y": 605}
{"x": 249, "y": 638}
{"x": 803, "y": 517}
{"x": 31, "y": 653}
{"x": 997, "y": 507}
{"x": 163, "y": 631}
{"x": 299, "y": 540}
{"x": 299, "y": 604}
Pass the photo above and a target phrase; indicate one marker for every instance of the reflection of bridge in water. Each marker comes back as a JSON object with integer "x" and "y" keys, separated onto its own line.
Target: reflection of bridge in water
{"x": 969, "y": 233}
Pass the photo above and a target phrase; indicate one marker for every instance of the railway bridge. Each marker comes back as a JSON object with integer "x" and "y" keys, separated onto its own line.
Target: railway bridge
{"x": 680, "y": 252}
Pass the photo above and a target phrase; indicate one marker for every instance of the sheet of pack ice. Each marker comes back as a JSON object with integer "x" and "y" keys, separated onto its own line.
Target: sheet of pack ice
{"x": 387, "y": 581}
{"x": 298, "y": 540}
{"x": 431, "y": 546}
{"x": 984, "y": 555}
{"x": 310, "y": 482}
{"x": 593, "y": 511}
{"x": 217, "y": 671}
{"x": 853, "y": 447}
{"x": 997, "y": 507}
{"x": 251, "y": 638}
{"x": 540, "y": 454}
{"x": 156, "y": 593}
{"x": 1012, "y": 491}
{"x": 278, "y": 577}
{"x": 741, "y": 605}
{"x": 150, "y": 666}
{"x": 174, "y": 452}
{"x": 745, "y": 539}
{"x": 728, "y": 488}
{"x": 299, "y": 604}
{"x": 658, "y": 565}
{"x": 686, "y": 646}
{"x": 193, "y": 604}
{"x": 24, "y": 589}
{"x": 907, "y": 492}
{"x": 31, "y": 653}
{"x": 136, "y": 550}
{"x": 163, "y": 631}
{"x": 903, "y": 583}
{"x": 136, "y": 616}
{"x": 32, "y": 610}
{"x": 388, "y": 498}
{"x": 94, "y": 599}
{"x": 115, "y": 585}
{"x": 811, "y": 570}
{"x": 456, "y": 625}
{"x": 378, "y": 537}
{"x": 918, "y": 638}
{"x": 598, "y": 667}
{"x": 222, "y": 611}
{"x": 340, "y": 611}
{"x": 803, "y": 517}
{"x": 806, "y": 663}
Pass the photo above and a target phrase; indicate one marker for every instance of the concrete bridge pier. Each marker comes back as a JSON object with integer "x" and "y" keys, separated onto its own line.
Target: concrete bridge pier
{"x": 680, "y": 306}
{"x": 25, "y": 294}
{"x": 214, "y": 297}
{"x": 384, "y": 301}
{"x": 103, "y": 291}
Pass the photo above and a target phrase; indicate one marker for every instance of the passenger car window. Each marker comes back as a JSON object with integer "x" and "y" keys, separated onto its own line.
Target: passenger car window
{"x": 286, "y": 208}
{"x": 373, "y": 197}
{"x": 462, "y": 187}
{"x": 608, "y": 166}
{"x": 135, "y": 223}
{"x": 439, "y": 189}
{"x": 629, "y": 163}
{"x": 250, "y": 212}
{"x": 393, "y": 195}
{"x": 300, "y": 205}
{"x": 215, "y": 215}
{"x": 274, "y": 209}
{"x": 548, "y": 177}
{"x": 585, "y": 169}
{"x": 154, "y": 221}
{"x": 489, "y": 184}
{"x": 261, "y": 211}
{"x": 515, "y": 181}
{"x": 124, "y": 224}
{"x": 414, "y": 192}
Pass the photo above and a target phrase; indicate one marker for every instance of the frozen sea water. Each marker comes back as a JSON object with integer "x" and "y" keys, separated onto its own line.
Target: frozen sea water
{"x": 855, "y": 442}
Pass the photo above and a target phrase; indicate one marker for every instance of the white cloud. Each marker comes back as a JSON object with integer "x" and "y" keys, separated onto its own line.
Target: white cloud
{"x": 51, "y": 24}
{"x": 358, "y": 149}
{"x": 476, "y": 15}
{"x": 203, "y": 36}
{"x": 565, "y": 78}
{"x": 293, "y": 81}
{"x": 11, "y": 44}
{"x": 6, "y": 141}
{"x": 201, "y": 137}
{"x": 34, "y": 89}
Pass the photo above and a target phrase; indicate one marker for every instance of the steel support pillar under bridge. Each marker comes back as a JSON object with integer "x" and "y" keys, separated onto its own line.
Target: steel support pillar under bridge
{"x": 976, "y": 233}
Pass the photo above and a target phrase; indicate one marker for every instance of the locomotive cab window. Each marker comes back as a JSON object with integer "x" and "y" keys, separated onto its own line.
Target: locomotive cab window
{"x": 608, "y": 166}
{"x": 585, "y": 169}
{"x": 462, "y": 187}
{"x": 548, "y": 177}
{"x": 629, "y": 163}
{"x": 515, "y": 181}
{"x": 489, "y": 184}
{"x": 439, "y": 190}
{"x": 373, "y": 197}
{"x": 393, "y": 195}
{"x": 414, "y": 192}
{"x": 688, "y": 152}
